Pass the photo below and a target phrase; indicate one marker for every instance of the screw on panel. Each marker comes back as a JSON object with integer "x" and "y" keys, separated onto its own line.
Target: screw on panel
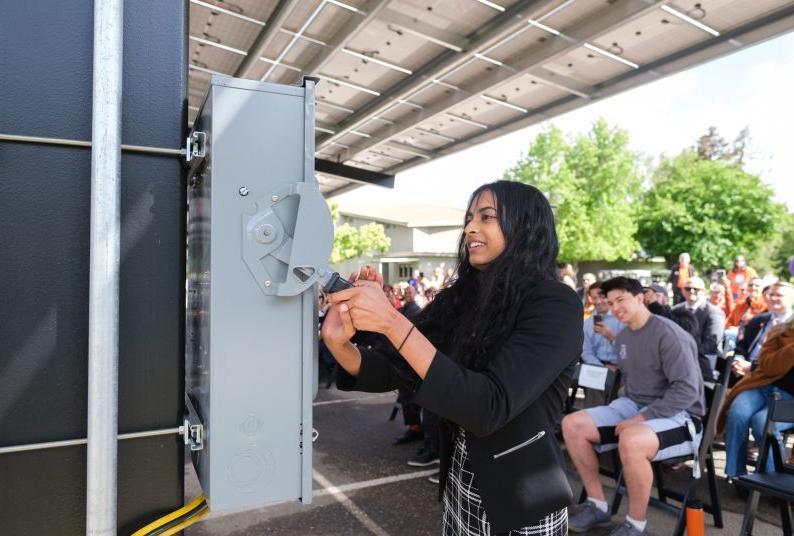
{"x": 243, "y": 191}
{"x": 268, "y": 283}
{"x": 274, "y": 198}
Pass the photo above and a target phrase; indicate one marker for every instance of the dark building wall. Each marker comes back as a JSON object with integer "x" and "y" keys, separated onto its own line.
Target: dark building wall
{"x": 45, "y": 90}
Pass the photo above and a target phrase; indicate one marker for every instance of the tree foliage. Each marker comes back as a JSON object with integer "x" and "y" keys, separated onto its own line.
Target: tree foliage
{"x": 710, "y": 208}
{"x": 712, "y": 146}
{"x": 351, "y": 242}
{"x": 592, "y": 182}
{"x": 783, "y": 252}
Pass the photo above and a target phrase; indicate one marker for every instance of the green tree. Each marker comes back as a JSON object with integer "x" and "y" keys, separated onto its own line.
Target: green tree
{"x": 351, "y": 242}
{"x": 592, "y": 182}
{"x": 783, "y": 251}
{"x": 712, "y": 146}
{"x": 711, "y": 209}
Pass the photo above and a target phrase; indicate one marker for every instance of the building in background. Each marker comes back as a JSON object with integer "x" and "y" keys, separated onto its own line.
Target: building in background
{"x": 424, "y": 238}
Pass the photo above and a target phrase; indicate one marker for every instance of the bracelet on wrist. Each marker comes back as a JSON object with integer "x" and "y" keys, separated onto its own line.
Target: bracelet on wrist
{"x": 406, "y": 337}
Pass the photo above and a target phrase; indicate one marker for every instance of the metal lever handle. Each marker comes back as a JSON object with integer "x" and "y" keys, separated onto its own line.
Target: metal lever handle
{"x": 305, "y": 254}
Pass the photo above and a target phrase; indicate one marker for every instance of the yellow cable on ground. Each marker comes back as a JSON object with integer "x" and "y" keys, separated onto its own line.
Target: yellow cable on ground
{"x": 193, "y": 505}
{"x": 185, "y": 524}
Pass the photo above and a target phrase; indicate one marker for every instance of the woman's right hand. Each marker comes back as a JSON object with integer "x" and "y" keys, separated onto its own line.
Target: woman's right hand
{"x": 338, "y": 326}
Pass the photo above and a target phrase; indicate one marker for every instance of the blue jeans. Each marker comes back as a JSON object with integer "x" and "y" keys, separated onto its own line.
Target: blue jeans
{"x": 748, "y": 412}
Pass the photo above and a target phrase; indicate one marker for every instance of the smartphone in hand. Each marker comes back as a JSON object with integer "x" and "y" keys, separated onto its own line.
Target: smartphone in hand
{"x": 598, "y": 319}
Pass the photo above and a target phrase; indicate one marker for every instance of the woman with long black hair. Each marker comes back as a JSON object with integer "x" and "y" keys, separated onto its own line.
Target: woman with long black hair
{"x": 492, "y": 355}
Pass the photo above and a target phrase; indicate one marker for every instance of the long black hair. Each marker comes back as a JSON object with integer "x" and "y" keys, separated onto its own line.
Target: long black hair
{"x": 469, "y": 319}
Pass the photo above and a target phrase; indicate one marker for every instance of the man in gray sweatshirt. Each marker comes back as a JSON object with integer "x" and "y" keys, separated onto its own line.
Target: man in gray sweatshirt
{"x": 654, "y": 420}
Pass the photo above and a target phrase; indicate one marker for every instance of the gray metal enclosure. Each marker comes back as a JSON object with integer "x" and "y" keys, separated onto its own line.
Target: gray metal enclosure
{"x": 258, "y": 231}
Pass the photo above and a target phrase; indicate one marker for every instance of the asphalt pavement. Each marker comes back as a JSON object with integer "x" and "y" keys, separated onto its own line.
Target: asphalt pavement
{"x": 363, "y": 486}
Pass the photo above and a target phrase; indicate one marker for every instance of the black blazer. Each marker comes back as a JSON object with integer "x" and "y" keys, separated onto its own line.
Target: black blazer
{"x": 501, "y": 407}
{"x": 745, "y": 345}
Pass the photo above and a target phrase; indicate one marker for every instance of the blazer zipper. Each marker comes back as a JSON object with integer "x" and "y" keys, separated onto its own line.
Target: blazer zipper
{"x": 521, "y": 445}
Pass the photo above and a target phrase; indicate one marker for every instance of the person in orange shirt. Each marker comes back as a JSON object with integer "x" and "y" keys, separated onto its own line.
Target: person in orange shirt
{"x": 740, "y": 273}
{"x": 679, "y": 275}
{"x": 748, "y": 307}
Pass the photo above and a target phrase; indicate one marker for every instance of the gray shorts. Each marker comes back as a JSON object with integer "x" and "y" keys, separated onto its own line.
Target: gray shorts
{"x": 674, "y": 433}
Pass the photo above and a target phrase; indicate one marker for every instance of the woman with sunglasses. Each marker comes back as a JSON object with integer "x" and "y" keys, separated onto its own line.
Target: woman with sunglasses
{"x": 492, "y": 354}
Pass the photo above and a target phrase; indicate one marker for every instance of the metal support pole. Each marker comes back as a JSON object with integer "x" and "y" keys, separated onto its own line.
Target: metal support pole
{"x": 103, "y": 308}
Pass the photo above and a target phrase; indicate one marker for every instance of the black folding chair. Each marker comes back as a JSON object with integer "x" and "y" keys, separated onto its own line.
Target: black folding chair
{"x": 610, "y": 385}
{"x": 778, "y": 483}
{"x": 715, "y": 396}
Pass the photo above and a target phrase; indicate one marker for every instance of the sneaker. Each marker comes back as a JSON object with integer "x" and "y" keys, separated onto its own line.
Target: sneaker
{"x": 424, "y": 458}
{"x": 433, "y": 478}
{"x": 409, "y": 436}
{"x": 582, "y": 517}
{"x": 626, "y": 529}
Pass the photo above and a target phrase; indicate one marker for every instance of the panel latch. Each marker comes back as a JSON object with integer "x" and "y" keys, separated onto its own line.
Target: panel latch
{"x": 193, "y": 435}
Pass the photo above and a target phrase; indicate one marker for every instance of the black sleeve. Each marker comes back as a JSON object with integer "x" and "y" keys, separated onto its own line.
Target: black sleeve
{"x": 748, "y": 336}
{"x": 546, "y": 340}
{"x": 713, "y": 331}
{"x": 382, "y": 368}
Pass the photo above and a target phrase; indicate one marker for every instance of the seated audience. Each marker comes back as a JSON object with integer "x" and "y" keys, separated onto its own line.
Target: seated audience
{"x": 749, "y": 306}
{"x": 388, "y": 290}
{"x": 679, "y": 275}
{"x": 780, "y": 301}
{"x": 740, "y": 275}
{"x": 710, "y": 318}
{"x": 599, "y": 334}
{"x": 430, "y": 293}
{"x": 587, "y": 280}
{"x": 745, "y": 408}
{"x": 663, "y": 399}
{"x": 656, "y": 299}
{"x": 568, "y": 275}
{"x": 687, "y": 321}
{"x": 720, "y": 297}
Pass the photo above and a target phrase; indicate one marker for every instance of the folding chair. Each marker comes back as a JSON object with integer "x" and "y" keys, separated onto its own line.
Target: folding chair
{"x": 723, "y": 368}
{"x": 593, "y": 377}
{"x": 600, "y": 379}
{"x": 780, "y": 482}
{"x": 715, "y": 396}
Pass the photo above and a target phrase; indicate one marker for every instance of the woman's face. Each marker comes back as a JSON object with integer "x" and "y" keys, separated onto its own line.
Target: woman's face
{"x": 484, "y": 238}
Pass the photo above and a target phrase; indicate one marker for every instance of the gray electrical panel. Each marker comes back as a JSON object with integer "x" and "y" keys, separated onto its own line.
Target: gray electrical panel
{"x": 259, "y": 236}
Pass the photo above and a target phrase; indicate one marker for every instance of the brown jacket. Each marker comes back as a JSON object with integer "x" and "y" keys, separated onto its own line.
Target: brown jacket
{"x": 777, "y": 358}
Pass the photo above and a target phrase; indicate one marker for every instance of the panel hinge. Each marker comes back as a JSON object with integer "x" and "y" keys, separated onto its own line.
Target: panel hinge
{"x": 196, "y": 146}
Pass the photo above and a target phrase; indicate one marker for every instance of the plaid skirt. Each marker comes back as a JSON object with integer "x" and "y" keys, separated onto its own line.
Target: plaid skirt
{"x": 463, "y": 514}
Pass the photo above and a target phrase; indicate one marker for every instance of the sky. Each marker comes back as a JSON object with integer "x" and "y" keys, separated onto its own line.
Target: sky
{"x": 751, "y": 88}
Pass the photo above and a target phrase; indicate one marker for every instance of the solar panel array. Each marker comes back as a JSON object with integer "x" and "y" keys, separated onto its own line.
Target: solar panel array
{"x": 406, "y": 81}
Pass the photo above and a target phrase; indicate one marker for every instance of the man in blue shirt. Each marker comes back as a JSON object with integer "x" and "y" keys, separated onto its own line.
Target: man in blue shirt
{"x": 600, "y": 331}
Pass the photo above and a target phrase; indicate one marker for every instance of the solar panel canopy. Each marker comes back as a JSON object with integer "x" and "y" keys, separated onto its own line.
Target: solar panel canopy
{"x": 404, "y": 81}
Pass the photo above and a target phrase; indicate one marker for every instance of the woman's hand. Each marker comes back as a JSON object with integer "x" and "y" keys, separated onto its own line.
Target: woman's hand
{"x": 741, "y": 367}
{"x": 368, "y": 306}
{"x": 338, "y": 326}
